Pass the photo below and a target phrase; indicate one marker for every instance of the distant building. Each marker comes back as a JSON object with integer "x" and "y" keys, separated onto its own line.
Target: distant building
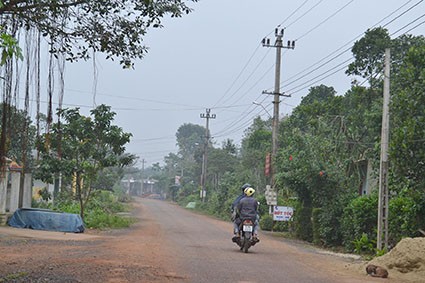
{"x": 137, "y": 187}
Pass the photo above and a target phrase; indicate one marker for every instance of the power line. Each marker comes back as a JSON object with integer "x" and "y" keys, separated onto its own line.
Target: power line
{"x": 238, "y": 76}
{"x": 296, "y": 10}
{"x": 247, "y": 79}
{"x": 245, "y": 66}
{"x": 325, "y": 20}
{"x": 347, "y": 49}
{"x": 308, "y": 11}
{"x": 409, "y": 24}
{"x": 234, "y": 125}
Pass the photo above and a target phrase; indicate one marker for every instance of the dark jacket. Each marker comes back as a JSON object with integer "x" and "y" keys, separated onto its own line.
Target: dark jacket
{"x": 247, "y": 208}
{"x": 236, "y": 201}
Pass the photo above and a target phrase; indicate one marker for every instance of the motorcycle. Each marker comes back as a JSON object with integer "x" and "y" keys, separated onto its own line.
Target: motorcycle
{"x": 246, "y": 239}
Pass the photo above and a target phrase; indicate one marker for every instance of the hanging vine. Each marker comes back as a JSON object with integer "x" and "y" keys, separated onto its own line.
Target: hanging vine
{"x": 37, "y": 83}
{"x": 7, "y": 77}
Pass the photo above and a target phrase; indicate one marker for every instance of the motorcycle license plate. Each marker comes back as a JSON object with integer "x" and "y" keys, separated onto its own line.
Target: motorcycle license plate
{"x": 247, "y": 228}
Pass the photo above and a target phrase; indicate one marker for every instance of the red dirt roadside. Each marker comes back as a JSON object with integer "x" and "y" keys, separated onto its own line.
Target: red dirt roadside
{"x": 107, "y": 256}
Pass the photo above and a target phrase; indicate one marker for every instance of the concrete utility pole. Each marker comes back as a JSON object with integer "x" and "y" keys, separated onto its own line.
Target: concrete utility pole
{"x": 278, "y": 45}
{"x": 207, "y": 116}
{"x": 383, "y": 176}
{"x": 141, "y": 175}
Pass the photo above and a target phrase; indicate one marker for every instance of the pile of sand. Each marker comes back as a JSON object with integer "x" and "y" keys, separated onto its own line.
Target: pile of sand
{"x": 406, "y": 261}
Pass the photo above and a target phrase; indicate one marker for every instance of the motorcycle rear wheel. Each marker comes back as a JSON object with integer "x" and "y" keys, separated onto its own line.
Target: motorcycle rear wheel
{"x": 246, "y": 244}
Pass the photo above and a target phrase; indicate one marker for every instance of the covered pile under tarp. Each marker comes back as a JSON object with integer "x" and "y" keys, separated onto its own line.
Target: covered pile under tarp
{"x": 43, "y": 219}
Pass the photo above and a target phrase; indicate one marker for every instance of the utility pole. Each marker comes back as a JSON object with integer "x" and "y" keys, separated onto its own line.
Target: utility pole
{"x": 141, "y": 175}
{"x": 278, "y": 45}
{"x": 383, "y": 176}
{"x": 207, "y": 116}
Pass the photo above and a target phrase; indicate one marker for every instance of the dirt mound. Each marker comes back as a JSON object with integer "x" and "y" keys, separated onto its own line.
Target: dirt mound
{"x": 405, "y": 261}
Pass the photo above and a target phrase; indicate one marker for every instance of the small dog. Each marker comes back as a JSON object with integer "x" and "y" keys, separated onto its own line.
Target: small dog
{"x": 376, "y": 271}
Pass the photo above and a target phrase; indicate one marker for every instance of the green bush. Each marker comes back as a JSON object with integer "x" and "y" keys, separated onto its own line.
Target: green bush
{"x": 190, "y": 198}
{"x": 281, "y": 226}
{"x": 120, "y": 194}
{"x": 403, "y": 216}
{"x": 106, "y": 201}
{"x": 329, "y": 224}
{"x": 359, "y": 217}
{"x": 364, "y": 245}
{"x": 99, "y": 219}
{"x": 266, "y": 222}
{"x": 302, "y": 223}
{"x": 99, "y": 213}
{"x": 316, "y": 225}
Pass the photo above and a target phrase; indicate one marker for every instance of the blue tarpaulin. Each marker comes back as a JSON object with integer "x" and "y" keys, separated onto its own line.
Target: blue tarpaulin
{"x": 43, "y": 219}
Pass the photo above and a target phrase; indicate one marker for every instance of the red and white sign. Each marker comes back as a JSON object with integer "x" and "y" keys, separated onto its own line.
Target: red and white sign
{"x": 282, "y": 213}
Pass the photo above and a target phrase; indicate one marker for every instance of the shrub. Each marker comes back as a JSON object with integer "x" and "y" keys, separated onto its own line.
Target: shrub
{"x": 359, "y": 217}
{"x": 99, "y": 219}
{"x": 364, "y": 245}
{"x": 316, "y": 225}
{"x": 403, "y": 216}
{"x": 100, "y": 211}
{"x": 302, "y": 223}
{"x": 266, "y": 222}
{"x": 281, "y": 226}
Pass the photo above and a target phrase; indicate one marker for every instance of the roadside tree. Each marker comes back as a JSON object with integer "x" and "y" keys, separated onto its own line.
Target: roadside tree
{"x": 79, "y": 148}
{"x": 77, "y": 28}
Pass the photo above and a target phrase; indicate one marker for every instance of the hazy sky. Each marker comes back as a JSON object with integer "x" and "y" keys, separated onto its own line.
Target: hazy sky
{"x": 213, "y": 58}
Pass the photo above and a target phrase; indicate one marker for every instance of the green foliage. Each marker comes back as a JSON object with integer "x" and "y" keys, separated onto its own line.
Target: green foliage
{"x": 121, "y": 196}
{"x": 80, "y": 147}
{"x": 20, "y": 134}
{"x": 45, "y": 195}
{"x": 101, "y": 212}
{"x": 327, "y": 224}
{"x": 9, "y": 48}
{"x": 359, "y": 217}
{"x": 408, "y": 117}
{"x": 316, "y": 225}
{"x": 281, "y": 226}
{"x": 330, "y": 142}
{"x": 69, "y": 207}
{"x": 369, "y": 53}
{"x": 380, "y": 252}
{"x": 14, "y": 276}
{"x": 190, "y": 138}
{"x": 255, "y": 146}
{"x": 364, "y": 245}
{"x": 106, "y": 201}
{"x": 119, "y": 26}
{"x": 266, "y": 222}
{"x": 263, "y": 208}
{"x": 99, "y": 219}
{"x": 189, "y": 198}
{"x": 302, "y": 223}
{"x": 107, "y": 178}
{"x": 221, "y": 162}
{"x": 406, "y": 217}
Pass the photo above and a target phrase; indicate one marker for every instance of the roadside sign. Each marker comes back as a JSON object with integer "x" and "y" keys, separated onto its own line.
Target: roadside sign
{"x": 271, "y": 196}
{"x": 282, "y": 213}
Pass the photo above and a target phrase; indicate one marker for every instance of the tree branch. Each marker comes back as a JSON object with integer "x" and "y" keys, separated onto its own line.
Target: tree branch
{"x": 13, "y": 6}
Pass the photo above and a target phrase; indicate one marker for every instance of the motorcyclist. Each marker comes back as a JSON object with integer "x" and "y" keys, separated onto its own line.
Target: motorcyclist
{"x": 235, "y": 217}
{"x": 247, "y": 208}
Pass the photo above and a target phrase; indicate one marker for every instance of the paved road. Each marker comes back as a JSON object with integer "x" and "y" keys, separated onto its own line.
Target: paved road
{"x": 202, "y": 250}
{"x": 167, "y": 244}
